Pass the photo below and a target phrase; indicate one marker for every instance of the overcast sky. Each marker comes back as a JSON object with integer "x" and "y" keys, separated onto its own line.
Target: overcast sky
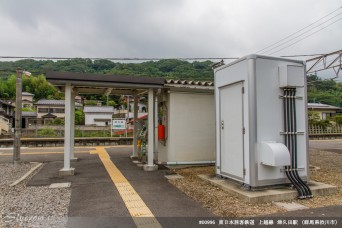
{"x": 163, "y": 28}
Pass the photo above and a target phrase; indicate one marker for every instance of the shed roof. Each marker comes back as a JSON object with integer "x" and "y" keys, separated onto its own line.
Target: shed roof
{"x": 27, "y": 94}
{"x": 189, "y": 84}
{"x": 98, "y": 109}
{"x": 50, "y": 102}
{"x": 6, "y": 103}
{"x": 54, "y": 102}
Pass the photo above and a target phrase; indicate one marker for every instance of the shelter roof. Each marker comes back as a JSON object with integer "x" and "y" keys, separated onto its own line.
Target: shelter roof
{"x": 85, "y": 83}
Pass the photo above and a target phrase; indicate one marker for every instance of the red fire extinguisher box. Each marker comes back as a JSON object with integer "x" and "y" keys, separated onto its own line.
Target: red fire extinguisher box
{"x": 161, "y": 132}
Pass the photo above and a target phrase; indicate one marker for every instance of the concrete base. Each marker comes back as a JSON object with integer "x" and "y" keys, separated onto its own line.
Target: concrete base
{"x": 290, "y": 206}
{"x": 67, "y": 172}
{"x": 60, "y": 185}
{"x": 269, "y": 195}
{"x": 134, "y": 157}
{"x": 150, "y": 167}
{"x": 141, "y": 166}
{"x": 174, "y": 177}
{"x": 17, "y": 163}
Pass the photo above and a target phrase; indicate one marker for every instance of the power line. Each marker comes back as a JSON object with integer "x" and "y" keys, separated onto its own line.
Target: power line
{"x": 300, "y": 34}
{"x": 299, "y": 30}
{"x": 300, "y": 55}
{"x": 306, "y": 36}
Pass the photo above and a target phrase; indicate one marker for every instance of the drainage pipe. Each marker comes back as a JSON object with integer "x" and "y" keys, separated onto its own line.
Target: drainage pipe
{"x": 189, "y": 163}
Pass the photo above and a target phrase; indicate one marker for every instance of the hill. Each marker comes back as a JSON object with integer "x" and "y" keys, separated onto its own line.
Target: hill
{"x": 168, "y": 68}
{"x": 319, "y": 91}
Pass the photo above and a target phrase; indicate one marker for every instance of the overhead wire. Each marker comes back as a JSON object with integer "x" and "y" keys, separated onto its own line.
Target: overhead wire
{"x": 301, "y": 34}
{"x": 299, "y": 30}
{"x": 306, "y": 36}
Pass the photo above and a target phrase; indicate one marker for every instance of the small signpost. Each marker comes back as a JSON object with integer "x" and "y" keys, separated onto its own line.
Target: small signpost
{"x": 118, "y": 124}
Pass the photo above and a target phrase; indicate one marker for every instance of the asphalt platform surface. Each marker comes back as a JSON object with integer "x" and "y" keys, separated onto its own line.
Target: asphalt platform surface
{"x": 95, "y": 201}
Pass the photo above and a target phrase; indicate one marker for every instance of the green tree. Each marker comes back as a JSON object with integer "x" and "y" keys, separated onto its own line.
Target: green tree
{"x": 79, "y": 117}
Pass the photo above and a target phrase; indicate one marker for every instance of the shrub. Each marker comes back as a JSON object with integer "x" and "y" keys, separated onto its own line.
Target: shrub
{"x": 338, "y": 119}
{"x": 47, "y": 132}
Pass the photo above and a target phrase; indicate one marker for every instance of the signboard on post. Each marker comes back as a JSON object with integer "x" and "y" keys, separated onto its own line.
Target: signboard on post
{"x": 119, "y": 124}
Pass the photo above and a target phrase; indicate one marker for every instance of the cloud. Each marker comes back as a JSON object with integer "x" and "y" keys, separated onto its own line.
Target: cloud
{"x": 152, "y": 28}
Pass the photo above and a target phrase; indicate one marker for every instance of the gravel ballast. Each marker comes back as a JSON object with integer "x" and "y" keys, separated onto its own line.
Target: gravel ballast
{"x": 327, "y": 168}
{"x": 23, "y": 206}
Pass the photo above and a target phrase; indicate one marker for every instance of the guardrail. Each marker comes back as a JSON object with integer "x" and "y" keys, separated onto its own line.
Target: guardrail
{"x": 54, "y": 142}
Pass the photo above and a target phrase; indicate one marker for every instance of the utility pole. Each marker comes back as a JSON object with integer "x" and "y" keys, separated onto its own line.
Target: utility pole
{"x": 127, "y": 119}
{"x": 17, "y": 127}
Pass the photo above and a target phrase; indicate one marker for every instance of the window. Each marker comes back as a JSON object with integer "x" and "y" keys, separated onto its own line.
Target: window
{"x": 43, "y": 110}
{"x": 58, "y": 110}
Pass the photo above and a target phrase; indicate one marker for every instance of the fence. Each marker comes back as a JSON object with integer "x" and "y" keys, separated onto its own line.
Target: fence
{"x": 58, "y": 131}
{"x": 334, "y": 131}
{"x": 59, "y": 142}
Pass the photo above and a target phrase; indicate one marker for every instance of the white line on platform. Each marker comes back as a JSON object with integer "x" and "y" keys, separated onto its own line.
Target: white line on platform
{"x": 26, "y": 175}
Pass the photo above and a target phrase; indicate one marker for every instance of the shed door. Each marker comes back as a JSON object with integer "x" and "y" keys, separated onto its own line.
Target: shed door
{"x": 231, "y": 120}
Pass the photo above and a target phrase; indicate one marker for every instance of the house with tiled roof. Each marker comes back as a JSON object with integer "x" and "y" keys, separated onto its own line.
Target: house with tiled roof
{"x": 6, "y": 116}
{"x": 47, "y": 110}
{"x": 324, "y": 110}
{"x": 27, "y": 99}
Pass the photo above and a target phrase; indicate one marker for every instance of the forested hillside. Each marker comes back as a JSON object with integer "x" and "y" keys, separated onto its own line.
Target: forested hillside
{"x": 324, "y": 91}
{"x": 170, "y": 68}
{"x": 319, "y": 91}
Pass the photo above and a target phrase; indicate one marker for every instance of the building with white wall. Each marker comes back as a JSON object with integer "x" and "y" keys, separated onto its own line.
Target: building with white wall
{"x": 188, "y": 113}
{"x": 98, "y": 115}
{"x": 142, "y": 107}
{"x": 6, "y": 116}
{"x": 27, "y": 99}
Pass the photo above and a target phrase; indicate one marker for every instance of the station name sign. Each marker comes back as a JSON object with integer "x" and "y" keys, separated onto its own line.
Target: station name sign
{"x": 119, "y": 124}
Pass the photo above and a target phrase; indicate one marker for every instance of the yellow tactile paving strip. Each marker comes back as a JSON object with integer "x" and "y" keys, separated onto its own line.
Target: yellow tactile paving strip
{"x": 140, "y": 213}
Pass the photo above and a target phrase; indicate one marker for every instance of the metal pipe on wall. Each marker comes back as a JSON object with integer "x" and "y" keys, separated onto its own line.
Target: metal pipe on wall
{"x": 156, "y": 127}
{"x": 306, "y": 188}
